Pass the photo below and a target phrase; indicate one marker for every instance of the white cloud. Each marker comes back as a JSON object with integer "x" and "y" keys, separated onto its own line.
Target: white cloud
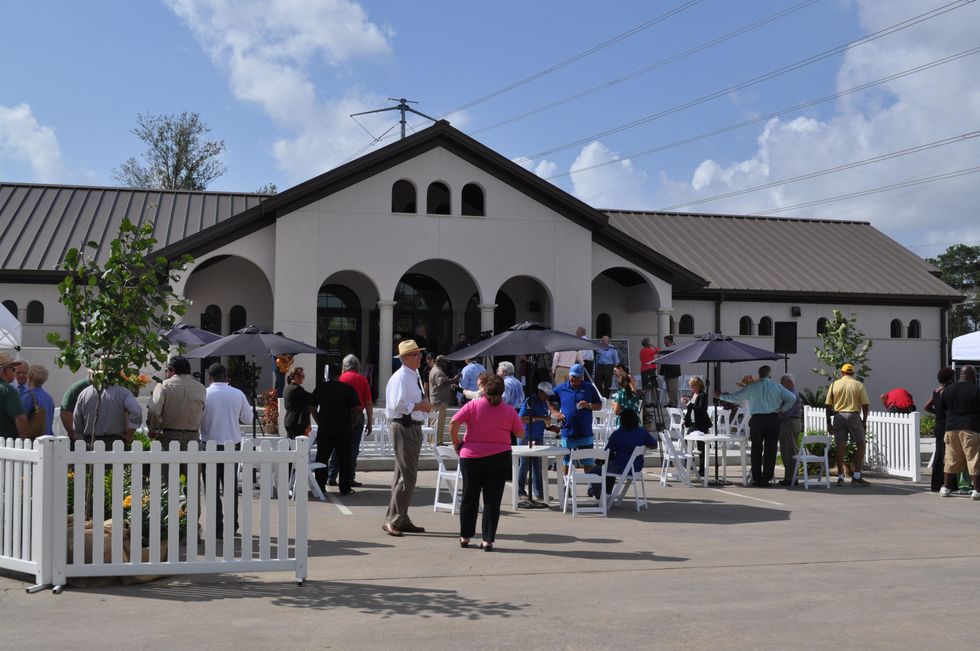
{"x": 24, "y": 140}
{"x": 269, "y": 50}
{"x": 620, "y": 185}
{"x": 918, "y": 109}
{"x": 544, "y": 168}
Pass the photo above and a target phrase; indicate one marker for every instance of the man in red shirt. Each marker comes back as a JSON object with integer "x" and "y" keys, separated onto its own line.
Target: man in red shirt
{"x": 648, "y": 367}
{"x": 351, "y": 375}
{"x": 898, "y": 401}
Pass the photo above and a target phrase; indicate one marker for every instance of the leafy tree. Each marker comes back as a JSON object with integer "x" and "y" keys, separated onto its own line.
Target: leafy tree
{"x": 268, "y": 188}
{"x": 176, "y": 157}
{"x": 842, "y": 342}
{"x": 959, "y": 267}
{"x": 117, "y": 310}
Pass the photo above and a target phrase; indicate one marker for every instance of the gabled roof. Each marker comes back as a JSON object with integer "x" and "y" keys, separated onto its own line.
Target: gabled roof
{"x": 782, "y": 257}
{"x": 39, "y": 223}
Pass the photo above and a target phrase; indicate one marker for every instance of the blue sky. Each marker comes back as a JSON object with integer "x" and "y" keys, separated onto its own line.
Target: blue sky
{"x": 277, "y": 79}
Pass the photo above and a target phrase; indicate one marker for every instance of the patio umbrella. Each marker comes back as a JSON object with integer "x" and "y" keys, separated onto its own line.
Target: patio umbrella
{"x": 10, "y": 329}
{"x": 187, "y": 335}
{"x": 526, "y": 338}
{"x": 253, "y": 341}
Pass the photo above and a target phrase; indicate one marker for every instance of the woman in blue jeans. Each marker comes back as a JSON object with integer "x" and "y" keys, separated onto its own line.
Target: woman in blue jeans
{"x": 536, "y": 416}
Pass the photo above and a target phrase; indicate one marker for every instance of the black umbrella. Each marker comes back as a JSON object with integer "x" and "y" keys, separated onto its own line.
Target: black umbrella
{"x": 188, "y": 335}
{"x": 254, "y": 342}
{"x": 716, "y": 347}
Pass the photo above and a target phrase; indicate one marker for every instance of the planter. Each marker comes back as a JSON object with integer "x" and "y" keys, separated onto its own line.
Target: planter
{"x": 89, "y": 535}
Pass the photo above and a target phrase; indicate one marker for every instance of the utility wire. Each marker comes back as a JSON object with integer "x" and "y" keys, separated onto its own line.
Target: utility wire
{"x": 756, "y": 80}
{"x": 577, "y": 57}
{"x": 653, "y": 66}
{"x": 831, "y": 170}
{"x": 774, "y": 114}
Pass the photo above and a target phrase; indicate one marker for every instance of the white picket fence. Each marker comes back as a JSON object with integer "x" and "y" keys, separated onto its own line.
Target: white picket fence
{"x": 894, "y": 446}
{"x": 35, "y": 514}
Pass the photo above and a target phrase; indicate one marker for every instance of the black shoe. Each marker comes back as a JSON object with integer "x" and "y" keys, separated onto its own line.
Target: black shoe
{"x": 761, "y": 484}
{"x": 356, "y": 484}
{"x": 786, "y": 482}
{"x": 349, "y": 491}
{"x": 331, "y": 482}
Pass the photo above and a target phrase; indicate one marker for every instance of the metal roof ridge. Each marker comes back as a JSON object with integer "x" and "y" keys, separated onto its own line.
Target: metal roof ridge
{"x": 116, "y": 188}
{"x": 651, "y": 213}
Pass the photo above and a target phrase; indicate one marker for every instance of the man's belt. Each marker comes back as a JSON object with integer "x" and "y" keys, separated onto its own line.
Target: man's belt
{"x": 405, "y": 421}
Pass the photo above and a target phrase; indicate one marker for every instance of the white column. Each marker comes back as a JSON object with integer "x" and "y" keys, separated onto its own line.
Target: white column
{"x": 386, "y": 316}
{"x": 486, "y": 316}
{"x": 663, "y": 324}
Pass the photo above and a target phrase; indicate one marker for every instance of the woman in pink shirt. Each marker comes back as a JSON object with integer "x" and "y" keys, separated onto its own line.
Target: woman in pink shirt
{"x": 484, "y": 457}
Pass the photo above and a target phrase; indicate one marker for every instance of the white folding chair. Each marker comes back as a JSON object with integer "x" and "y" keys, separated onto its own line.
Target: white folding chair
{"x": 602, "y": 424}
{"x": 630, "y": 477}
{"x": 675, "y": 458}
{"x": 575, "y": 477}
{"x": 805, "y": 458}
{"x": 310, "y": 476}
{"x": 448, "y": 474}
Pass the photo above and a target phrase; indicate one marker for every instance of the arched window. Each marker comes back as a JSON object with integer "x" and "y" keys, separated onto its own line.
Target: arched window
{"x": 915, "y": 330}
{"x": 821, "y": 325}
{"x": 403, "y": 196}
{"x": 673, "y": 326}
{"x": 686, "y": 325}
{"x": 35, "y": 312}
{"x": 211, "y": 319}
{"x": 745, "y": 325}
{"x": 603, "y": 325}
{"x": 473, "y": 200}
{"x": 437, "y": 199}
{"x": 505, "y": 314}
{"x": 896, "y": 329}
{"x": 765, "y": 327}
{"x": 338, "y": 325}
{"x": 11, "y": 307}
{"x": 237, "y": 318}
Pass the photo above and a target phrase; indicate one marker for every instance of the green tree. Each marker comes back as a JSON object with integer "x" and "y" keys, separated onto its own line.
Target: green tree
{"x": 118, "y": 309}
{"x": 842, "y": 342}
{"x": 268, "y": 188}
{"x": 959, "y": 267}
{"x": 177, "y": 157}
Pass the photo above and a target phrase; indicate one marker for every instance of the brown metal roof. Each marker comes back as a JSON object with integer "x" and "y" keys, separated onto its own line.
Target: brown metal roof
{"x": 39, "y": 223}
{"x": 778, "y": 254}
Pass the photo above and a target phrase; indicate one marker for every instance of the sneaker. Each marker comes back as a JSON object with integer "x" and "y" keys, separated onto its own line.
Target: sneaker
{"x": 859, "y": 481}
{"x": 840, "y": 480}
{"x": 945, "y": 492}
{"x": 975, "y": 495}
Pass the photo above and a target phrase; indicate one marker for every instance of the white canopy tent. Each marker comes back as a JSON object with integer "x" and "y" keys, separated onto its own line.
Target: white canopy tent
{"x": 11, "y": 330}
{"x": 966, "y": 348}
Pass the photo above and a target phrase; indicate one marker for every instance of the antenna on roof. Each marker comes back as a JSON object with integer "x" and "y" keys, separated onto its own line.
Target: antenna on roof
{"x": 403, "y": 107}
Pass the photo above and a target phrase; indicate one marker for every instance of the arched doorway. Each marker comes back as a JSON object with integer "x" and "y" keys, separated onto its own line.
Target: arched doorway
{"x": 347, "y": 323}
{"x": 422, "y": 302}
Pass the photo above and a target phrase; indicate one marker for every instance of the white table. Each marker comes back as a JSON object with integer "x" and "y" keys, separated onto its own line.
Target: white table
{"x": 715, "y": 440}
{"x": 537, "y": 452}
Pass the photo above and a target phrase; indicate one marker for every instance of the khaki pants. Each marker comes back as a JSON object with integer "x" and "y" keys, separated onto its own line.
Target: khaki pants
{"x": 440, "y": 421}
{"x": 788, "y": 431}
{"x": 407, "y": 442}
{"x": 561, "y": 375}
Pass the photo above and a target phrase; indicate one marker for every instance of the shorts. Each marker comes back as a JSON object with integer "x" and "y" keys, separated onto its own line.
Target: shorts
{"x": 848, "y": 423}
{"x": 962, "y": 452}
{"x": 578, "y": 444}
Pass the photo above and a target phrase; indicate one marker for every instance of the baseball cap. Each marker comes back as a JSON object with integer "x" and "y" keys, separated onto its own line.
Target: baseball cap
{"x": 847, "y": 368}
{"x": 577, "y": 370}
{"x": 547, "y": 388}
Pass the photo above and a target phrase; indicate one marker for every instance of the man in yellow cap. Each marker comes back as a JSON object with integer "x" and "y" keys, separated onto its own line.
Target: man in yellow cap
{"x": 847, "y": 415}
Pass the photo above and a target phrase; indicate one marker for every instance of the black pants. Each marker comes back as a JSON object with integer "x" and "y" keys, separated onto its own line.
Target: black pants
{"x": 219, "y": 479}
{"x": 764, "y": 432}
{"x": 334, "y": 435}
{"x": 486, "y": 475}
{"x": 603, "y": 378}
{"x": 938, "y": 476}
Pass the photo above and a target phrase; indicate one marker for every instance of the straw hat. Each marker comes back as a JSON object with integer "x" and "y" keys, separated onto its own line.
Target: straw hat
{"x": 408, "y": 347}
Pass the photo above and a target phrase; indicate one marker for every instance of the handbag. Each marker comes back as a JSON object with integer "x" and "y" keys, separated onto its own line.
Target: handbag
{"x": 37, "y": 420}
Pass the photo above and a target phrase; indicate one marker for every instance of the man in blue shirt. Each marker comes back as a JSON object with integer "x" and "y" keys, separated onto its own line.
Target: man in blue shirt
{"x": 766, "y": 399}
{"x": 606, "y": 358}
{"x": 513, "y": 389}
{"x": 467, "y": 379}
{"x": 577, "y": 399}
{"x": 535, "y": 414}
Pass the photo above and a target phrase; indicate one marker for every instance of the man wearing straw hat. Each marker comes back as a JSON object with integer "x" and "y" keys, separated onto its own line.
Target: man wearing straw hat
{"x": 405, "y": 408}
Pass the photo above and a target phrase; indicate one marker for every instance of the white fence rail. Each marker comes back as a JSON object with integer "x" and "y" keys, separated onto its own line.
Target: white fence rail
{"x": 125, "y": 513}
{"x": 894, "y": 446}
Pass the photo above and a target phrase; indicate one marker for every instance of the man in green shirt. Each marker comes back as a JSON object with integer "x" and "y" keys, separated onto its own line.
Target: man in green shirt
{"x": 68, "y": 403}
{"x": 13, "y": 422}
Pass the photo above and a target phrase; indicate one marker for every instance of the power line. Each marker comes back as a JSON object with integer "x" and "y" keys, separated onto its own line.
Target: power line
{"x": 774, "y": 114}
{"x": 653, "y": 66}
{"x": 756, "y": 80}
{"x": 577, "y": 57}
{"x": 839, "y": 168}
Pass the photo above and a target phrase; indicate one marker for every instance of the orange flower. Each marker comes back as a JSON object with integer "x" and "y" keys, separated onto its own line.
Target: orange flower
{"x": 128, "y": 501}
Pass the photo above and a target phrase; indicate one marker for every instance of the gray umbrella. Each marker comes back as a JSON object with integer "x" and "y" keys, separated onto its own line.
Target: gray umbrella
{"x": 526, "y": 338}
{"x": 188, "y": 335}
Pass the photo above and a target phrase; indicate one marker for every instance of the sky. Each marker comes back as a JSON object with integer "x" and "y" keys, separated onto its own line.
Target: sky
{"x": 706, "y": 106}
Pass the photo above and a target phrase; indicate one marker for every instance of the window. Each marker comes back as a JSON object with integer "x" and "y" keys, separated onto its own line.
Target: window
{"x": 915, "y": 330}
{"x": 437, "y": 199}
{"x": 765, "y": 327}
{"x": 821, "y": 325}
{"x": 896, "y": 329}
{"x": 686, "y": 325}
{"x": 403, "y": 197}
{"x": 603, "y": 326}
{"x": 211, "y": 319}
{"x": 237, "y": 318}
{"x": 11, "y": 307}
{"x": 473, "y": 201}
{"x": 673, "y": 326}
{"x": 35, "y": 312}
{"x": 745, "y": 325}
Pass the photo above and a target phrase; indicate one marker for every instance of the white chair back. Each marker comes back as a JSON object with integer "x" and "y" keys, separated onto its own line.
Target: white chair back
{"x": 804, "y": 458}
{"x": 629, "y": 477}
{"x": 448, "y": 476}
{"x": 576, "y": 476}
{"x": 674, "y": 458}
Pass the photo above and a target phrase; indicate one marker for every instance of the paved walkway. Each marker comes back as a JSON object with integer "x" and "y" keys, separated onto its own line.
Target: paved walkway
{"x": 730, "y": 568}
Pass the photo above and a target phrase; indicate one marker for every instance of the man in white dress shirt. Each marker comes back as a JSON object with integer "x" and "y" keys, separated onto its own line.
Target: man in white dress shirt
{"x": 225, "y": 407}
{"x": 405, "y": 408}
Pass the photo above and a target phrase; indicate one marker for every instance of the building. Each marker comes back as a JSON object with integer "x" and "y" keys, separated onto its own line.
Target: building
{"x": 438, "y": 229}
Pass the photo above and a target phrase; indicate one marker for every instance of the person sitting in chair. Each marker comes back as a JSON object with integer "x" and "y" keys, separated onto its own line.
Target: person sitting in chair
{"x": 621, "y": 444}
